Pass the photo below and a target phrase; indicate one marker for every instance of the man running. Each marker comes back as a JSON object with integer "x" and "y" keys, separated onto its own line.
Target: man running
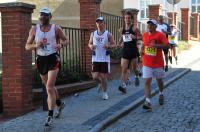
{"x": 173, "y": 40}
{"x": 130, "y": 53}
{"x": 101, "y": 41}
{"x": 45, "y": 39}
{"x": 165, "y": 29}
{"x": 152, "y": 60}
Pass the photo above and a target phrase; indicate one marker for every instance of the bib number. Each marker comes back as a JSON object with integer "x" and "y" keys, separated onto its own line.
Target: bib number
{"x": 127, "y": 38}
{"x": 151, "y": 51}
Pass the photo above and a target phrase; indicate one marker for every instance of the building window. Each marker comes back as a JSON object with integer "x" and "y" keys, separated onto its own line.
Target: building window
{"x": 195, "y": 6}
{"x": 144, "y": 10}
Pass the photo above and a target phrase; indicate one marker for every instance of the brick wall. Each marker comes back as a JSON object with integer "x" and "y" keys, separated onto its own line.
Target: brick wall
{"x": 170, "y": 15}
{"x": 16, "y": 62}
{"x": 89, "y": 11}
{"x": 154, "y": 11}
{"x": 196, "y": 24}
{"x": 185, "y": 20}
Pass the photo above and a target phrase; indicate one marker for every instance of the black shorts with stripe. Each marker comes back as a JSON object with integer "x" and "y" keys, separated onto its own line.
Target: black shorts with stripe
{"x": 47, "y": 63}
{"x": 101, "y": 67}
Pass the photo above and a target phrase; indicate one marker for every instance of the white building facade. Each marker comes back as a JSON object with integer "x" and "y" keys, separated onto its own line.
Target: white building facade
{"x": 142, "y": 6}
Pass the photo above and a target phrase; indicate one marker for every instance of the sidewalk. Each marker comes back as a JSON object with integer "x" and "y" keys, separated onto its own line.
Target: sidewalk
{"x": 88, "y": 109}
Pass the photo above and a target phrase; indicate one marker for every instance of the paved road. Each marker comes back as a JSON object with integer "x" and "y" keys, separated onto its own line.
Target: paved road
{"x": 179, "y": 114}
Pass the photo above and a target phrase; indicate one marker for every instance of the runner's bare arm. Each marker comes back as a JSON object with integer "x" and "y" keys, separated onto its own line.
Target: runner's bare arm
{"x": 120, "y": 41}
{"x": 90, "y": 44}
{"x": 138, "y": 34}
{"x": 112, "y": 41}
{"x": 63, "y": 37}
{"x": 30, "y": 43}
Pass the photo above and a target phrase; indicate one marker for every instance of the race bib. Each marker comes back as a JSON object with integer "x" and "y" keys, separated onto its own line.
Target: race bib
{"x": 151, "y": 51}
{"x": 127, "y": 38}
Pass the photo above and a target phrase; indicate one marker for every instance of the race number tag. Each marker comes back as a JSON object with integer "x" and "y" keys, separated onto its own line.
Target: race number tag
{"x": 151, "y": 51}
{"x": 127, "y": 38}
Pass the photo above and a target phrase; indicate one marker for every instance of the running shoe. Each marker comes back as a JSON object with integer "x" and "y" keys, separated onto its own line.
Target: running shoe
{"x": 105, "y": 96}
{"x": 170, "y": 59}
{"x": 147, "y": 106}
{"x": 122, "y": 88}
{"x": 166, "y": 68}
{"x": 137, "y": 81}
{"x": 59, "y": 110}
{"x": 161, "y": 99}
{"x": 128, "y": 82}
{"x": 99, "y": 88}
{"x": 49, "y": 121}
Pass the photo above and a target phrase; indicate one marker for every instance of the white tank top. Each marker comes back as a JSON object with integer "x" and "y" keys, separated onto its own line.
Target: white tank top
{"x": 47, "y": 37}
{"x": 100, "y": 53}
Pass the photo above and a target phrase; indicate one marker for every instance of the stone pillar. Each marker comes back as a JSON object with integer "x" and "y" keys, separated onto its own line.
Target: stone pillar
{"x": 185, "y": 20}
{"x": 154, "y": 11}
{"x": 170, "y": 15}
{"x": 16, "y": 61}
{"x": 196, "y": 24}
{"x": 134, "y": 13}
{"x": 89, "y": 11}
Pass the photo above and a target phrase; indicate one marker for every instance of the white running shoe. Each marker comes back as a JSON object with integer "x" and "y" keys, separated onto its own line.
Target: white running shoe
{"x": 105, "y": 96}
{"x": 49, "y": 121}
{"x": 59, "y": 110}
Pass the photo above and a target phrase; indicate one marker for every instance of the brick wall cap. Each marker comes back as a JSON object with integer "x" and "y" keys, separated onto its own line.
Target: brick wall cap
{"x": 17, "y": 4}
{"x": 130, "y": 9}
{"x": 91, "y": 1}
{"x": 195, "y": 13}
{"x": 171, "y": 12}
{"x": 185, "y": 9}
{"x": 159, "y": 5}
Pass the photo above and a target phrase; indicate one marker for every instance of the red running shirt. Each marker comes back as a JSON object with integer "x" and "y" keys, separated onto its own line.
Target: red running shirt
{"x": 153, "y": 57}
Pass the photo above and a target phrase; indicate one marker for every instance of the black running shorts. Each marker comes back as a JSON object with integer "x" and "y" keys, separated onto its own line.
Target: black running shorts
{"x": 165, "y": 51}
{"x": 101, "y": 67}
{"x": 47, "y": 63}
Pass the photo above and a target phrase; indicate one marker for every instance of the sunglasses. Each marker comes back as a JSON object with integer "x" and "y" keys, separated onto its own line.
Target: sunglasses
{"x": 44, "y": 14}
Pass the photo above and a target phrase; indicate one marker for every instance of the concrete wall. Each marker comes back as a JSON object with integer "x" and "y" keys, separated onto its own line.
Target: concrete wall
{"x": 66, "y": 12}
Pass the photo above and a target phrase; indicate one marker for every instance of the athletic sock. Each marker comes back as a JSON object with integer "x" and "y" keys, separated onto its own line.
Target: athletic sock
{"x": 58, "y": 102}
{"x": 50, "y": 113}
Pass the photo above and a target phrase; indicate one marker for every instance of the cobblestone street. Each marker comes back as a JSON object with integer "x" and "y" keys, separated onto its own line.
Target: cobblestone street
{"x": 180, "y": 113}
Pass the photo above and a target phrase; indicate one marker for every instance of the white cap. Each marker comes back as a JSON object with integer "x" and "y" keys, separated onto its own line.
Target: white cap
{"x": 99, "y": 19}
{"x": 45, "y": 10}
{"x": 152, "y": 21}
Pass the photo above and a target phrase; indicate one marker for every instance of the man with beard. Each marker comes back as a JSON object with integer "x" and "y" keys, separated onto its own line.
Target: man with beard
{"x": 45, "y": 39}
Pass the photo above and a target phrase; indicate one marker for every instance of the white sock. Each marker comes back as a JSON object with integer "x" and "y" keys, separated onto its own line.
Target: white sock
{"x": 148, "y": 100}
{"x": 160, "y": 93}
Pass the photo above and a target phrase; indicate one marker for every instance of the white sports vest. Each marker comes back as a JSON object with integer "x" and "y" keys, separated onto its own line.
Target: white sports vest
{"x": 47, "y": 37}
{"x": 100, "y": 53}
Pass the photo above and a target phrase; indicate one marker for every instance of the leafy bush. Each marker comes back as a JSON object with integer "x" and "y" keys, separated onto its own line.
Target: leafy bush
{"x": 183, "y": 45}
{"x": 116, "y": 53}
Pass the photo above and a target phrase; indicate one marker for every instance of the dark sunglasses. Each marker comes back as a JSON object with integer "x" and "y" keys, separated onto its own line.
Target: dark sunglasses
{"x": 44, "y": 14}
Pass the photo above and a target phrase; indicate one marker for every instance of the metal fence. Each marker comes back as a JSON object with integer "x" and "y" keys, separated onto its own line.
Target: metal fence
{"x": 191, "y": 25}
{"x": 180, "y": 27}
{"x": 73, "y": 63}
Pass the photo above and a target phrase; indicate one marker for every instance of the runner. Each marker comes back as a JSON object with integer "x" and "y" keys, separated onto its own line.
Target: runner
{"x": 130, "y": 53}
{"x": 99, "y": 44}
{"x": 173, "y": 43}
{"x": 152, "y": 60}
{"x": 165, "y": 29}
{"x": 45, "y": 39}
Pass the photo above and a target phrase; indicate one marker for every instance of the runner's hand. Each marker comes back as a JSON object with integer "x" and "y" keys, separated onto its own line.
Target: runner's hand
{"x": 58, "y": 46}
{"x": 133, "y": 36}
{"x": 39, "y": 44}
